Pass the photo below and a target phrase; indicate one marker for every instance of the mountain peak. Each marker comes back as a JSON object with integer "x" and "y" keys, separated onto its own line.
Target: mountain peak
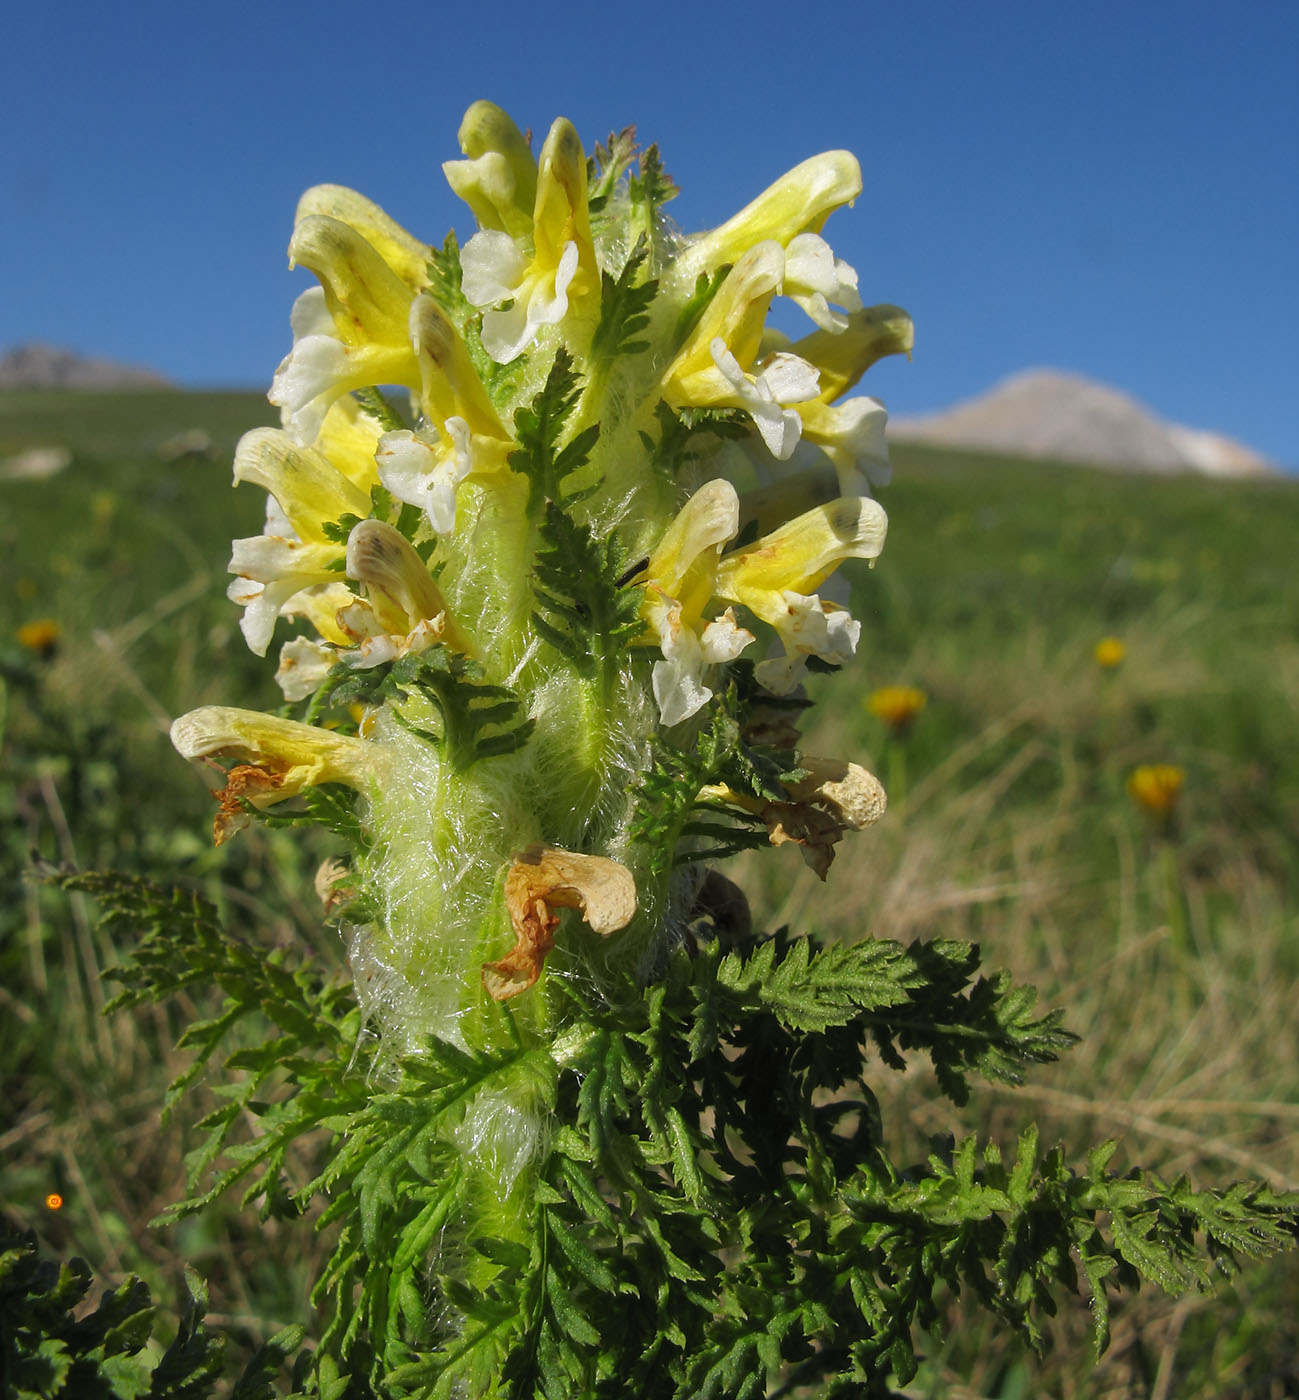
{"x": 1047, "y": 413}
{"x": 40, "y": 366}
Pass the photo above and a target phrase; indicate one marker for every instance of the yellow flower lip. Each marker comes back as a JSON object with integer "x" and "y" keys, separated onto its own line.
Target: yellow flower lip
{"x": 1109, "y": 652}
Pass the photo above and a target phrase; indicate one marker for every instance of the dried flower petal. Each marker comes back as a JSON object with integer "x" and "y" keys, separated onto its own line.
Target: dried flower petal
{"x": 542, "y": 880}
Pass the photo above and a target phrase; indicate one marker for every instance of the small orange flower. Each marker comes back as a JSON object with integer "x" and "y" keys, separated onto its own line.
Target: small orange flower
{"x": 1156, "y": 787}
{"x": 41, "y": 636}
{"x": 897, "y": 705}
{"x": 1109, "y": 653}
{"x": 54, "y": 1201}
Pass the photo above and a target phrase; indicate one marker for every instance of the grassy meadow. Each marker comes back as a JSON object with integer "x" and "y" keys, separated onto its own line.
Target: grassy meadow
{"x": 1174, "y": 947}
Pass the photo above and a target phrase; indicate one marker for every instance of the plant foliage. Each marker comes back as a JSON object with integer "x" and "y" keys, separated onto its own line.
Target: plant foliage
{"x": 714, "y": 1208}
{"x": 53, "y": 1344}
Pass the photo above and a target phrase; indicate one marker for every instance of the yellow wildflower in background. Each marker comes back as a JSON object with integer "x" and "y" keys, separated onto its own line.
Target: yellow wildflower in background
{"x": 41, "y": 636}
{"x": 1155, "y": 788}
{"x": 1109, "y": 653}
{"x": 897, "y": 705}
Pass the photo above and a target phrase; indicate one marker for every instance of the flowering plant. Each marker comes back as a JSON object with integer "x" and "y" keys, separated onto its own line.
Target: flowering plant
{"x": 605, "y": 1138}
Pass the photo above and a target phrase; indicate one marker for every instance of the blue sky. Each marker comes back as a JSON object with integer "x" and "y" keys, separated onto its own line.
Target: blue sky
{"x": 1110, "y": 188}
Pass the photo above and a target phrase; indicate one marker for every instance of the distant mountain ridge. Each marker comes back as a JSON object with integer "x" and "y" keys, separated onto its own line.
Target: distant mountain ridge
{"x": 1050, "y": 414}
{"x": 39, "y": 366}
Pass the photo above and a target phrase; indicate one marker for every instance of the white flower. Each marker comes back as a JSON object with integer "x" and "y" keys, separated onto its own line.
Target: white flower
{"x": 785, "y": 379}
{"x": 816, "y": 279}
{"x": 375, "y": 646}
{"x": 427, "y": 474}
{"x": 272, "y": 569}
{"x": 311, "y": 376}
{"x": 495, "y": 270}
{"x": 851, "y": 434}
{"x": 677, "y": 679}
{"x": 304, "y": 664}
{"x": 809, "y": 627}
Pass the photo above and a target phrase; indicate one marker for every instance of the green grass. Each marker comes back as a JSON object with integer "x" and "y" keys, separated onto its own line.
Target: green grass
{"x": 1175, "y": 953}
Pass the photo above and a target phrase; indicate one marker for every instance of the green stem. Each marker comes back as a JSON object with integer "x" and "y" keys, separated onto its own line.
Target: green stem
{"x": 1174, "y": 898}
{"x": 897, "y": 779}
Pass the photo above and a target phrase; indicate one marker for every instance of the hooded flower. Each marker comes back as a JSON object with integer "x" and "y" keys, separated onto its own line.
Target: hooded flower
{"x": 403, "y": 610}
{"x": 351, "y": 331}
{"x": 831, "y": 798}
{"x": 679, "y": 586}
{"x": 465, "y": 436}
{"x": 799, "y": 202}
{"x": 278, "y": 759}
{"x": 522, "y": 290}
{"x": 498, "y": 181}
{"x": 294, "y": 552}
{"x": 777, "y": 579}
{"x": 716, "y": 367}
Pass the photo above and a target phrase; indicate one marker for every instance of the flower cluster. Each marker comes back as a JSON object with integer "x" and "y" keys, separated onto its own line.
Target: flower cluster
{"x": 533, "y": 627}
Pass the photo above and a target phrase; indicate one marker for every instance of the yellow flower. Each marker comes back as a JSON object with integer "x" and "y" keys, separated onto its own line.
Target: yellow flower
{"x": 277, "y": 759}
{"x": 463, "y": 436}
{"x": 41, "y": 636}
{"x": 799, "y": 202}
{"x": 498, "y": 181}
{"x": 1155, "y": 788}
{"x": 402, "y": 612}
{"x": 680, "y": 582}
{"x": 778, "y": 577}
{"x": 717, "y": 366}
{"x": 352, "y": 331}
{"x": 1109, "y": 653}
{"x": 897, "y": 705}
{"x": 309, "y": 489}
{"x": 520, "y": 291}
{"x": 403, "y": 600}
